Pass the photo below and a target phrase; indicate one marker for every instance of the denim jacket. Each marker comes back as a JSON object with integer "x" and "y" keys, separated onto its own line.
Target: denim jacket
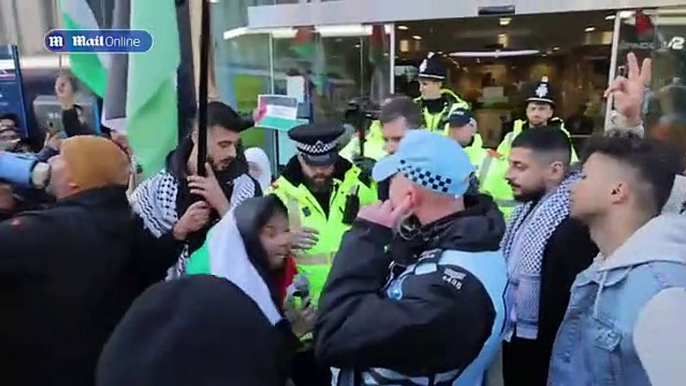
{"x": 595, "y": 342}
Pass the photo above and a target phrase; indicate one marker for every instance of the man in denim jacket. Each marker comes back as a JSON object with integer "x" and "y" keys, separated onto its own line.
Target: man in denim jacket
{"x": 623, "y": 323}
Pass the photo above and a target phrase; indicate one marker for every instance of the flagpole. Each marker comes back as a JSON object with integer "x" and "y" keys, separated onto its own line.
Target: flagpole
{"x": 202, "y": 92}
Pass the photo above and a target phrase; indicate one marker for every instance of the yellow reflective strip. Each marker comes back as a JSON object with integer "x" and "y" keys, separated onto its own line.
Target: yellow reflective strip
{"x": 320, "y": 259}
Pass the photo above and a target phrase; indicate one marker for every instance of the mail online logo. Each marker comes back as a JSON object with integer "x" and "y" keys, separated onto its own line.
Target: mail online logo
{"x": 55, "y": 41}
{"x": 95, "y": 41}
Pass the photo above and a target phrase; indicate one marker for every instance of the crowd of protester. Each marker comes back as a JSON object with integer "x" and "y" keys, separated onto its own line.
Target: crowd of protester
{"x": 414, "y": 271}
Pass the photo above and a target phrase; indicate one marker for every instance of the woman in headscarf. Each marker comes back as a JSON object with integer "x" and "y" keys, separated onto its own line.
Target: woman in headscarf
{"x": 224, "y": 322}
{"x": 259, "y": 166}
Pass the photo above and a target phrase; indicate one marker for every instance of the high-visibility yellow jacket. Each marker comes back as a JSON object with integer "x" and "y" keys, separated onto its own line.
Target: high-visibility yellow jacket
{"x": 491, "y": 169}
{"x": 373, "y": 145}
{"x": 435, "y": 121}
{"x": 290, "y": 188}
{"x": 519, "y": 126}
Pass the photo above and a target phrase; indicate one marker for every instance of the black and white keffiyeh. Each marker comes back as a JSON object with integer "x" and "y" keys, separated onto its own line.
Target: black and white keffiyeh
{"x": 523, "y": 245}
{"x": 155, "y": 202}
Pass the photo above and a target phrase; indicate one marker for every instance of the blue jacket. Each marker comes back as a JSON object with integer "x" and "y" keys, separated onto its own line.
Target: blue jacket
{"x": 596, "y": 343}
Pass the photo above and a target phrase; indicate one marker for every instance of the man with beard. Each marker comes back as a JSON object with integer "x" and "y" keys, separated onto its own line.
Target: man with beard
{"x": 544, "y": 249}
{"x": 324, "y": 191}
{"x": 166, "y": 201}
{"x": 437, "y": 318}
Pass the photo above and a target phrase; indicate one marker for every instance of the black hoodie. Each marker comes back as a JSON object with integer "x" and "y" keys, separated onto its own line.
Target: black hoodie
{"x": 432, "y": 328}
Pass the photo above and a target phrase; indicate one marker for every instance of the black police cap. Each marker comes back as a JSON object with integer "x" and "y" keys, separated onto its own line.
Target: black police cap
{"x": 317, "y": 143}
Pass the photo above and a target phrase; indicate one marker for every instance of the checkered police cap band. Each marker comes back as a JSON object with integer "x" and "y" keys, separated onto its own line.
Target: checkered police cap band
{"x": 425, "y": 178}
{"x": 318, "y": 148}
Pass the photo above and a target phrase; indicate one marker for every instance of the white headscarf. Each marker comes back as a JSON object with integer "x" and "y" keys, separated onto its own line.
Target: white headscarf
{"x": 260, "y": 167}
{"x": 229, "y": 260}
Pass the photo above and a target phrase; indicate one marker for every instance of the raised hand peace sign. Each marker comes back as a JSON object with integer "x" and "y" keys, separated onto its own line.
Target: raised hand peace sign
{"x": 627, "y": 92}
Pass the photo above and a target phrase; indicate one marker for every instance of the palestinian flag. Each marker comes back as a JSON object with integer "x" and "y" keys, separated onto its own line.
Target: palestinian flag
{"x": 91, "y": 69}
{"x": 303, "y": 43}
{"x": 376, "y": 44}
{"x": 141, "y": 97}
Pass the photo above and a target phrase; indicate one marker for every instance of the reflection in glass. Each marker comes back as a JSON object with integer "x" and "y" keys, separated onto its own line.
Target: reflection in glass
{"x": 661, "y": 35}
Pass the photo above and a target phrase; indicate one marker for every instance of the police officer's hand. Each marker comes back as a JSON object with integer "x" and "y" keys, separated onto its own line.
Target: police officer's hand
{"x": 385, "y": 214}
{"x": 196, "y": 217}
{"x": 209, "y": 189}
{"x": 628, "y": 92}
{"x": 304, "y": 238}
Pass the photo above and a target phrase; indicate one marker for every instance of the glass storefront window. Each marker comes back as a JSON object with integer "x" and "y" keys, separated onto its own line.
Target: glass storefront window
{"x": 328, "y": 67}
{"x": 661, "y": 35}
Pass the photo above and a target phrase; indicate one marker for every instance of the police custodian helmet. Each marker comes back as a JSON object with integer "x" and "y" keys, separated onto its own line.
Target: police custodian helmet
{"x": 541, "y": 92}
{"x": 432, "y": 68}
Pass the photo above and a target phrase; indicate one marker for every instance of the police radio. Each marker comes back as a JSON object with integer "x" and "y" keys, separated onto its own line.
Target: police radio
{"x": 352, "y": 206}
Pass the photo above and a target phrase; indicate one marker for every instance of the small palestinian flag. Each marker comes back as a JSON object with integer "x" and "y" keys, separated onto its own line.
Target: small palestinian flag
{"x": 376, "y": 44}
{"x": 303, "y": 43}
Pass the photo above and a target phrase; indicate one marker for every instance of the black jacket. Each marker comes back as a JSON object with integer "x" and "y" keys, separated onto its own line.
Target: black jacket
{"x": 67, "y": 276}
{"x": 569, "y": 251}
{"x": 198, "y": 330}
{"x": 433, "y": 327}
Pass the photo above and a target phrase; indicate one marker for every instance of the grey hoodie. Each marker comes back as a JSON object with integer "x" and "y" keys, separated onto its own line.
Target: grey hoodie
{"x": 659, "y": 334}
{"x": 677, "y": 199}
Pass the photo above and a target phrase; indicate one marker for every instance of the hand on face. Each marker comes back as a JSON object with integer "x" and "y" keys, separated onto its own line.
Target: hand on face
{"x": 385, "y": 214}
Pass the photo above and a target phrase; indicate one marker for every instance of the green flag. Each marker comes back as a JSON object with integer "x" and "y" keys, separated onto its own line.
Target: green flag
{"x": 151, "y": 97}
{"x": 90, "y": 68}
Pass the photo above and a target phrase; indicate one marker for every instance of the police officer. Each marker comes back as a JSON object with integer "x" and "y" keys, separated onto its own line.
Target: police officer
{"x": 438, "y": 317}
{"x": 490, "y": 167}
{"x": 324, "y": 191}
{"x": 540, "y": 110}
{"x": 436, "y": 101}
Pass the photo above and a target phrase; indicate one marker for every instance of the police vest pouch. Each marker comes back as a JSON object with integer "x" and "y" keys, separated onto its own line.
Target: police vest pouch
{"x": 352, "y": 206}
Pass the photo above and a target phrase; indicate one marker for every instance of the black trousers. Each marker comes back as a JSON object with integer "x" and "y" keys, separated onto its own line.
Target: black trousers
{"x": 525, "y": 362}
{"x": 307, "y": 372}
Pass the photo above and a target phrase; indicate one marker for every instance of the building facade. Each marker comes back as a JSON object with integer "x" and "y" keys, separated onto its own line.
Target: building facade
{"x": 350, "y": 48}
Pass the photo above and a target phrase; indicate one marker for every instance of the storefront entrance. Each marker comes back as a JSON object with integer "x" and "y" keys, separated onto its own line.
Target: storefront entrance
{"x": 491, "y": 60}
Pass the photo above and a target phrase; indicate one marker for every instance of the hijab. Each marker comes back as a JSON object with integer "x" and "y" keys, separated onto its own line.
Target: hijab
{"x": 260, "y": 167}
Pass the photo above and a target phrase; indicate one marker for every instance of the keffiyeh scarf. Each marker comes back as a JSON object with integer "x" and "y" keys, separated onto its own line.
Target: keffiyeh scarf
{"x": 155, "y": 202}
{"x": 523, "y": 245}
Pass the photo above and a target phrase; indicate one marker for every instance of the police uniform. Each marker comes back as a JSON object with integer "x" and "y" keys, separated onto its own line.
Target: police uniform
{"x": 490, "y": 167}
{"x": 331, "y": 214}
{"x": 373, "y": 145}
{"x": 541, "y": 92}
{"x": 440, "y": 319}
{"x": 435, "y": 113}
